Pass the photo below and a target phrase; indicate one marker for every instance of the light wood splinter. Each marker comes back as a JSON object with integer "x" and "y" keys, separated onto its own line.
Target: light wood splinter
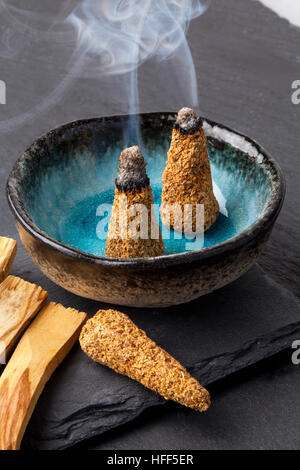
{"x": 8, "y": 250}
{"x": 20, "y": 301}
{"x": 41, "y": 349}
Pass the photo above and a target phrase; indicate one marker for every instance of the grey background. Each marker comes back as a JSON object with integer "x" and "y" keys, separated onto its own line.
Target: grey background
{"x": 246, "y": 59}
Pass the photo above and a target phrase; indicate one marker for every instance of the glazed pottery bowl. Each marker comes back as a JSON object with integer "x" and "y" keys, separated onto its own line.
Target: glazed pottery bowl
{"x": 58, "y": 188}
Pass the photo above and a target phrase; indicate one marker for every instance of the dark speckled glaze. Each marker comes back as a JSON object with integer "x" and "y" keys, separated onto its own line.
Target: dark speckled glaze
{"x": 152, "y": 282}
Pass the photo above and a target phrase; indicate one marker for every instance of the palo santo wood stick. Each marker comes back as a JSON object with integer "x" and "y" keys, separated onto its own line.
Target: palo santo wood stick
{"x": 41, "y": 349}
{"x": 113, "y": 340}
{"x": 8, "y": 250}
{"x": 19, "y": 303}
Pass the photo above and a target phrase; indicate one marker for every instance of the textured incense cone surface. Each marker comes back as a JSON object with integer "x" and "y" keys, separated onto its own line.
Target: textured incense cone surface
{"x": 112, "y": 339}
{"x": 8, "y": 250}
{"x": 187, "y": 176}
{"x": 41, "y": 349}
{"x": 133, "y": 231}
{"x": 19, "y": 303}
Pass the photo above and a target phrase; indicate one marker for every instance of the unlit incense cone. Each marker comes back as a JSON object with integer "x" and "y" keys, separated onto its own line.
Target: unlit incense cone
{"x": 133, "y": 231}
{"x": 112, "y": 339}
{"x": 187, "y": 177}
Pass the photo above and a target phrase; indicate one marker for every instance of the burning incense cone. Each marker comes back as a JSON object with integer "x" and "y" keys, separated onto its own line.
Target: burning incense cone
{"x": 133, "y": 231}
{"x": 187, "y": 177}
{"x": 112, "y": 339}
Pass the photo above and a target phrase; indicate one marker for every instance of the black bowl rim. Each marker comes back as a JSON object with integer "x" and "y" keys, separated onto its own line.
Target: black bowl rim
{"x": 261, "y": 225}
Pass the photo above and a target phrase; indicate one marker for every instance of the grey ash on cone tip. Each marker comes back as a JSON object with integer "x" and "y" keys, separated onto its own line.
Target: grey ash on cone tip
{"x": 187, "y": 121}
{"x": 132, "y": 170}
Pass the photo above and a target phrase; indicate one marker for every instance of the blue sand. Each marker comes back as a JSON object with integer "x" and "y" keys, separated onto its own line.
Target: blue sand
{"x": 64, "y": 201}
{"x": 80, "y": 227}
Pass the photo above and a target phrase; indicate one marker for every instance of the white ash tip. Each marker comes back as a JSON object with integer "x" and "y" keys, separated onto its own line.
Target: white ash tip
{"x": 187, "y": 121}
{"x": 132, "y": 170}
{"x": 131, "y": 152}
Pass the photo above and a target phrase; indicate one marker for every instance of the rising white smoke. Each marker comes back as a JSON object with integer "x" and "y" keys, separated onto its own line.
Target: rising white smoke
{"x": 111, "y": 37}
{"x": 125, "y": 33}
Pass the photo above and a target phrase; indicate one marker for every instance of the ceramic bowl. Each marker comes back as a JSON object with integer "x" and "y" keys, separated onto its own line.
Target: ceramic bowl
{"x": 57, "y": 186}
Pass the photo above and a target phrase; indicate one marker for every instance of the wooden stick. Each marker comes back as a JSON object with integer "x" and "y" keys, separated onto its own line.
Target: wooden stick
{"x": 8, "y": 250}
{"x": 19, "y": 303}
{"x": 41, "y": 349}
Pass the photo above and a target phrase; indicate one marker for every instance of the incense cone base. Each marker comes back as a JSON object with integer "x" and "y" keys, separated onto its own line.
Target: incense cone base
{"x": 187, "y": 180}
{"x": 121, "y": 240}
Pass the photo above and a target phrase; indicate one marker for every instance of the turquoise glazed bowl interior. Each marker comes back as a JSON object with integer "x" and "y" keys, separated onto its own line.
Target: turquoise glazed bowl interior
{"x": 57, "y": 188}
{"x": 64, "y": 196}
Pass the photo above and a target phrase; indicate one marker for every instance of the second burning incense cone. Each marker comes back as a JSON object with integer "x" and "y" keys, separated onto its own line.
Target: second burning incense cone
{"x": 133, "y": 231}
{"x": 187, "y": 177}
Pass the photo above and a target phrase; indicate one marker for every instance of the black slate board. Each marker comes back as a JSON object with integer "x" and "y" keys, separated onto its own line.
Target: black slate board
{"x": 256, "y": 408}
{"x": 214, "y": 336}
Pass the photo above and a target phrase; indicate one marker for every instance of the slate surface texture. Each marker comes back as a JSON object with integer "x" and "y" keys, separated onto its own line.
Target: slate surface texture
{"x": 246, "y": 59}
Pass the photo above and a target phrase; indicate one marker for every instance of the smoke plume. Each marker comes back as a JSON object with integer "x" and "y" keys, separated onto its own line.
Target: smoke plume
{"x": 108, "y": 38}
